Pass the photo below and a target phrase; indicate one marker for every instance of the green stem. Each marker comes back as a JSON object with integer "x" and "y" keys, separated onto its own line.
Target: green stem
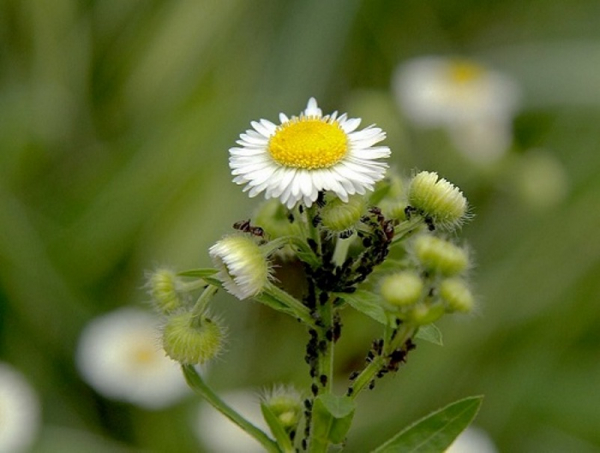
{"x": 199, "y": 386}
{"x": 313, "y": 231}
{"x": 407, "y": 227}
{"x": 299, "y": 310}
{"x": 341, "y": 249}
{"x": 368, "y": 374}
{"x": 200, "y": 306}
{"x": 325, "y": 362}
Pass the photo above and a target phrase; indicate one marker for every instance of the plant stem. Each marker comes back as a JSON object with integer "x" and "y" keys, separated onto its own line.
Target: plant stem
{"x": 298, "y": 308}
{"x": 407, "y": 227}
{"x": 203, "y": 300}
{"x": 404, "y": 333}
{"x": 195, "y": 381}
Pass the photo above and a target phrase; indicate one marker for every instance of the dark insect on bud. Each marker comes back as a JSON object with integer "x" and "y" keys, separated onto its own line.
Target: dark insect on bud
{"x": 323, "y": 380}
{"x": 314, "y": 388}
{"x": 409, "y": 211}
{"x": 429, "y": 223}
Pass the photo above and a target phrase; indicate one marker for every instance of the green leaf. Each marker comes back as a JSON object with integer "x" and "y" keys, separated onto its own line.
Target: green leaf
{"x": 435, "y": 432}
{"x": 332, "y": 417}
{"x": 431, "y": 334}
{"x": 281, "y": 436}
{"x": 200, "y": 273}
{"x": 367, "y": 303}
{"x": 274, "y": 303}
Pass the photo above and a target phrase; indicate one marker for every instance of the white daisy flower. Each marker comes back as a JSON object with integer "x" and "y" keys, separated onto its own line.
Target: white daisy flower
{"x": 306, "y": 154}
{"x": 19, "y": 411}
{"x": 475, "y": 104}
{"x": 120, "y": 357}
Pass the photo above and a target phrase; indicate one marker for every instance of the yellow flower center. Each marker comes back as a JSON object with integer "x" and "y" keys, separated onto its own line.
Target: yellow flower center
{"x": 462, "y": 71}
{"x": 143, "y": 354}
{"x": 308, "y": 142}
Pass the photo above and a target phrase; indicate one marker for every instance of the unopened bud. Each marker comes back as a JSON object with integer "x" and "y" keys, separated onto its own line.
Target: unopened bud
{"x": 243, "y": 268}
{"x": 439, "y": 255}
{"x": 163, "y": 288}
{"x": 338, "y": 216}
{"x": 457, "y": 295}
{"x": 438, "y": 199}
{"x": 286, "y": 405}
{"x": 191, "y": 339}
{"x": 401, "y": 289}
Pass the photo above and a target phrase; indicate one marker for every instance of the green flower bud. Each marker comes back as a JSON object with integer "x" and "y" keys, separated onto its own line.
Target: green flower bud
{"x": 401, "y": 289}
{"x": 338, "y": 216}
{"x": 422, "y": 314}
{"x": 286, "y": 405}
{"x": 191, "y": 339}
{"x": 163, "y": 288}
{"x": 243, "y": 268}
{"x": 273, "y": 217}
{"x": 437, "y": 199}
{"x": 441, "y": 256}
{"x": 457, "y": 295}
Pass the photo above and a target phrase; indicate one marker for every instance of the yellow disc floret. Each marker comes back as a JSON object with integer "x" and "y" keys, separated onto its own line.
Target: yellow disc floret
{"x": 308, "y": 142}
{"x": 464, "y": 71}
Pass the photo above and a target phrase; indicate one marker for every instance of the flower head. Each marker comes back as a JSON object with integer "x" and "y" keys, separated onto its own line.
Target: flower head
{"x": 306, "y": 154}
{"x": 475, "y": 104}
{"x": 439, "y": 91}
{"x": 19, "y": 411}
{"x": 119, "y": 356}
{"x": 243, "y": 268}
{"x": 438, "y": 199}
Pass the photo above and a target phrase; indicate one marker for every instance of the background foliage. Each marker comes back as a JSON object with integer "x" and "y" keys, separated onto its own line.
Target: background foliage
{"x": 115, "y": 120}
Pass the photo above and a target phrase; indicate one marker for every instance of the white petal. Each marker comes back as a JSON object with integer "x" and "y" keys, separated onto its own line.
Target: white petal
{"x": 312, "y": 109}
{"x": 349, "y": 125}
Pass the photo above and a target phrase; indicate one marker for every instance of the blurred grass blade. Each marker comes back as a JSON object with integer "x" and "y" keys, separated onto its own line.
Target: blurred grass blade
{"x": 436, "y": 432}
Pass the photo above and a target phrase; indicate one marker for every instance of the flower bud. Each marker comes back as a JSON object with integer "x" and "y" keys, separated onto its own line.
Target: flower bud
{"x": 286, "y": 405}
{"x": 438, "y": 199}
{"x": 191, "y": 339}
{"x": 243, "y": 268}
{"x": 338, "y": 216}
{"x": 457, "y": 295}
{"x": 422, "y": 314}
{"x": 438, "y": 255}
{"x": 401, "y": 289}
{"x": 163, "y": 288}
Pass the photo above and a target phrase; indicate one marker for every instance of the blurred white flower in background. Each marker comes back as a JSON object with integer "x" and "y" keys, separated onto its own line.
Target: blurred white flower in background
{"x": 218, "y": 434}
{"x": 473, "y": 440}
{"x": 119, "y": 355}
{"x": 476, "y": 105}
{"x": 19, "y": 411}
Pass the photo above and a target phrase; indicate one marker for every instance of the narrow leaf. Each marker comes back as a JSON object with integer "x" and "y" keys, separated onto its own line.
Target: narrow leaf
{"x": 431, "y": 334}
{"x": 435, "y": 432}
{"x": 367, "y": 303}
{"x": 274, "y": 303}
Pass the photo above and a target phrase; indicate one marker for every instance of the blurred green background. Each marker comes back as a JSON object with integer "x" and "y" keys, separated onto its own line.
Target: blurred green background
{"x": 115, "y": 121}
